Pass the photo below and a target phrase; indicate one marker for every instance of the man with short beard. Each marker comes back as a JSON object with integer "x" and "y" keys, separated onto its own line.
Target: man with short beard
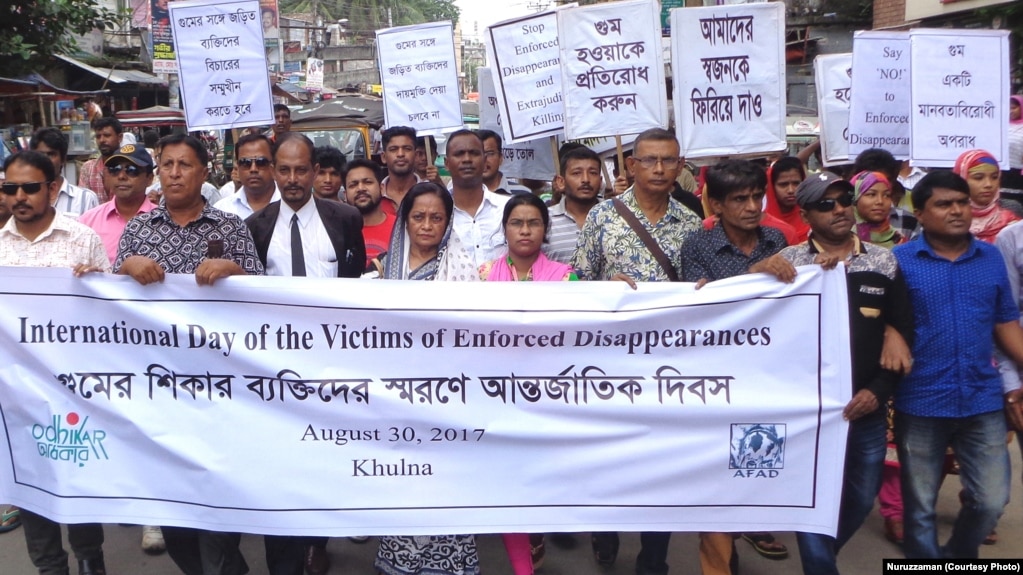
{"x": 362, "y": 190}
{"x": 108, "y": 139}
{"x": 580, "y": 181}
{"x": 399, "y": 156}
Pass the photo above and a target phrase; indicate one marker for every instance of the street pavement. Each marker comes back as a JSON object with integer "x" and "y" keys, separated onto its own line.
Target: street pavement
{"x": 861, "y": 556}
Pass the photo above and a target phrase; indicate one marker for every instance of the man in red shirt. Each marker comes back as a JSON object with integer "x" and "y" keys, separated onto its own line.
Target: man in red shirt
{"x": 362, "y": 190}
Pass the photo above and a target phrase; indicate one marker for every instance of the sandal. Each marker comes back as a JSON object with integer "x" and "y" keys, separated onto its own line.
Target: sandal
{"x": 605, "y": 548}
{"x": 991, "y": 538}
{"x": 10, "y": 520}
{"x": 537, "y": 549}
{"x": 766, "y": 545}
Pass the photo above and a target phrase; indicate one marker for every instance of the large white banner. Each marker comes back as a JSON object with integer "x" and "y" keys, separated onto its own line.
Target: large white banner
{"x": 525, "y": 59}
{"x": 420, "y": 77}
{"x": 222, "y": 63}
{"x": 833, "y": 78}
{"x": 880, "y": 107}
{"x": 730, "y": 82}
{"x": 612, "y": 68}
{"x": 529, "y": 159}
{"x": 960, "y": 82}
{"x": 318, "y": 406}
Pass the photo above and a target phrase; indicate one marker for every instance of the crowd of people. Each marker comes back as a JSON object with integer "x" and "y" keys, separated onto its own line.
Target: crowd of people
{"x": 932, "y": 259}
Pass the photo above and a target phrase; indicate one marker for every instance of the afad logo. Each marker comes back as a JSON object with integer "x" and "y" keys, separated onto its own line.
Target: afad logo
{"x": 757, "y": 449}
{"x": 67, "y": 438}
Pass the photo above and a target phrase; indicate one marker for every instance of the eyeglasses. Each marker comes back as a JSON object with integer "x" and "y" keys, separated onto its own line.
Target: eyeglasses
{"x": 650, "y": 162}
{"x": 845, "y": 200}
{"x": 528, "y": 224}
{"x": 260, "y": 161}
{"x": 10, "y": 189}
{"x": 132, "y": 170}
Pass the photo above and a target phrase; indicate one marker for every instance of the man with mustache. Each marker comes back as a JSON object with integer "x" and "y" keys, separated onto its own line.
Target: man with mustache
{"x": 37, "y": 236}
{"x": 478, "y": 211}
{"x": 362, "y": 190}
{"x": 878, "y": 297}
{"x": 580, "y": 182}
{"x": 108, "y": 139}
{"x": 254, "y": 158}
{"x": 399, "y": 156}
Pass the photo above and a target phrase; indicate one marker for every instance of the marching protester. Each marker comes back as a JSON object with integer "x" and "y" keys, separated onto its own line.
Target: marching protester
{"x": 980, "y": 170}
{"x": 635, "y": 237}
{"x": 128, "y": 173}
{"x": 580, "y": 181}
{"x": 37, "y": 236}
{"x": 362, "y": 190}
{"x": 477, "y": 218}
{"x": 108, "y": 133}
{"x": 493, "y": 157}
{"x": 254, "y": 158}
{"x": 399, "y": 157}
{"x": 329, "y": 181}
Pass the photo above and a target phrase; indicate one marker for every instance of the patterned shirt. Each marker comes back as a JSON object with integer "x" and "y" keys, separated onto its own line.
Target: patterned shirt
{"x": 91, "y": 178}
{"x": 877, "y": 297}
{"x": 608, "y": 246}
{"x": 710, "y": 254}
{"x": 65, "y": 244}
{"x": 957, "y": 305}
{"x": 180, "y": 250}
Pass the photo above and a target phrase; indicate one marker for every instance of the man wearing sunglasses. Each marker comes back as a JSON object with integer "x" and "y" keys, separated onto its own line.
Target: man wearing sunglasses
{"x": 254, "y": 159}
{"x": 127, "y": 174}
{"x": 878, "y": 298}
{"x": 36, "y": 236}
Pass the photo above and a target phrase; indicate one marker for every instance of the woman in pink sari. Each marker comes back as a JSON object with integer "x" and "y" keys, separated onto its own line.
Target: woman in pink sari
{"x": 526, "y": 223}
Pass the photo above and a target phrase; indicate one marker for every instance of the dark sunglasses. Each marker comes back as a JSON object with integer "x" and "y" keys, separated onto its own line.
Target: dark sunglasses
{"x": 845, "y": 200}
{"x": 131, "y": 169}
{"x": 260, "y": 161}
{"x": 10, "y": 189}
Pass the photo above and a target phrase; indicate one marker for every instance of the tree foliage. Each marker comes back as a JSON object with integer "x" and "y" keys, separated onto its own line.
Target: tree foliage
{"x": 34, "y": 30}
{"x": 367, "y": 16}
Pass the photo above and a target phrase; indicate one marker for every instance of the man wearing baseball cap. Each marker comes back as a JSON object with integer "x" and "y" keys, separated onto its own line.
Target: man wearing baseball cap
{"x": 126, "y": 175}
{"x": 878, "y": 298}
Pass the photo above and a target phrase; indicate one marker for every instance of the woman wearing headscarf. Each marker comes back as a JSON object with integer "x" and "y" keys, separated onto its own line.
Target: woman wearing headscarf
{"x": 980, "y": 169}
{"x": 424, "y": 247}
{"x": 783, "y": 177}
{"x": 872, "y": 197}
{"x": 423, "y": 244}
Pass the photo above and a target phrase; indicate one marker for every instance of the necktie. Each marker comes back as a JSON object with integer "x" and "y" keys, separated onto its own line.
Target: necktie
{"x": 297, "y": 255}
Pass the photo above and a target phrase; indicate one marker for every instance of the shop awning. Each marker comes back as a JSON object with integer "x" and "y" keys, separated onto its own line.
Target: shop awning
{"x": 115, "y": 76}
{"x": 35, "y": 85}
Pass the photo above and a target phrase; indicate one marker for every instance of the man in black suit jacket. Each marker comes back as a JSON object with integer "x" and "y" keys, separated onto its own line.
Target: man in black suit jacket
{"x": 328, "y": 242}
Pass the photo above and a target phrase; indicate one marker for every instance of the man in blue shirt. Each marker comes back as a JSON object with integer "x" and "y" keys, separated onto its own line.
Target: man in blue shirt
{"x": 953, "y": 396}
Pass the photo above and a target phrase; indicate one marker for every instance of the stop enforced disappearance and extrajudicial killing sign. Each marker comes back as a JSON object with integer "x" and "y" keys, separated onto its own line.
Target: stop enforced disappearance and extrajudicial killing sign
{"x": 307, "y": 406}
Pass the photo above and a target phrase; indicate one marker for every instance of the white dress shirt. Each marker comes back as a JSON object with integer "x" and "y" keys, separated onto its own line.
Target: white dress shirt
{"x": 318, "y": 252}
{"x": 238, "y": 203}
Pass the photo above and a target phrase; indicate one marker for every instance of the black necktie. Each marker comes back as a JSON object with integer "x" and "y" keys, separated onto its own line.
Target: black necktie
{"x": 297, "y": 255}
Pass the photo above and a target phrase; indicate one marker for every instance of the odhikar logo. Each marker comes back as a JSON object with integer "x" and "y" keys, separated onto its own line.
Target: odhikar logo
{"x": 66, "y": 438}
{"x": 757, "y": 449}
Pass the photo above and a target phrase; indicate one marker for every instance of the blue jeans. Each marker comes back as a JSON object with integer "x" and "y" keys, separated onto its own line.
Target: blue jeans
{"x": 864, "y": 461}
{"x": 979, "y": 444}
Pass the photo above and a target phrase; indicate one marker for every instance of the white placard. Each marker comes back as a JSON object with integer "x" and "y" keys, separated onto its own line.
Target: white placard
{"x": 729, "y": 94}
{"x": 227, "y": 408}
{"x": 420, "y": 78}
{"x": 879, "y": 117}
{"x": 222, "y": 63}
{"x": 529, "y": 159}
{"x": 833, "y": 77}
{"x": 960, "y": 82}
{"x": 525, "y": 60}
{"x": 612, "y": 69}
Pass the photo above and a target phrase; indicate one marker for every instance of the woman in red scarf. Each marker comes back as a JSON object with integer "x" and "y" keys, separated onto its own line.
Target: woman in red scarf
{"x": 980, "y": 169}
{"x": 782, "y": 180}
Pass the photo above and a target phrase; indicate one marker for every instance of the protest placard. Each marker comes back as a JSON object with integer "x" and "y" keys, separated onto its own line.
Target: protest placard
{"x": 612, "y": 69}
{"x": 420, "y": 78}
{"x": 960, "y": 81}
{"x": 833, "y": 78}
{"x": 724, "y": 405}
{"x": 880, "y": 107}
{"x": 526, "y": 159}
{"x": 222, "y": 62}
{"x": 525, "y": 63}
{"x": 729, "y": 94}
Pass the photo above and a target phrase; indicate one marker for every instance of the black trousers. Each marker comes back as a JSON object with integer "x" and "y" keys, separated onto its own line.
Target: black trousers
{"x": 46, "y": 547}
